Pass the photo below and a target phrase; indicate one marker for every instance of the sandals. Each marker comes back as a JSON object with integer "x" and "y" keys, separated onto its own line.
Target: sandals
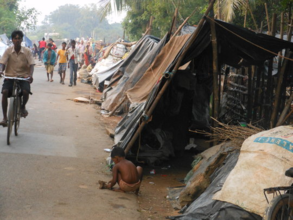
{"x": 4, "y": 123}
{"x": 23, "y": 113}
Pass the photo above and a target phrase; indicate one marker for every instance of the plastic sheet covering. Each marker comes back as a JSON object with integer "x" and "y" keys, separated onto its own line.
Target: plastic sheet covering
{"x": 187, "y": 29}
{"x": 100, "y": 76}
{"x": 262, "y": 164}
{"x": 205, "y": 208}
{"x": 163, "y": 62}
{"x": 132, "y": 69}
{"x": 127, "y": 126}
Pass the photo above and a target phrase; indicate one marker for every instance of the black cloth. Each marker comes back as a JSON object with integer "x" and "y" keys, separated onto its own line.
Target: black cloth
{"x": 8, "y": 85}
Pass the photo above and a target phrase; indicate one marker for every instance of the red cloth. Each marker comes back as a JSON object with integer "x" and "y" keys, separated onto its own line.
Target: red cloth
{"x": 54, "y": 47}
{"x": 86, "y": 59}
{"x": 43, "y": 44}
{"x": 72, "y": 57}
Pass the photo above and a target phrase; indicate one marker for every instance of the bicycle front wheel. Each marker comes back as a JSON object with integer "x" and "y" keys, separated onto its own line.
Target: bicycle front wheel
{"x": 16, "y": 115}
{"x": 10, "y": 118}
{"x": 280, "y": 208}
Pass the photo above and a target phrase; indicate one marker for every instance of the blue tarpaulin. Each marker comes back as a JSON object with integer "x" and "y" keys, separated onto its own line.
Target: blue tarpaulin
{"x": 27, "y": 41}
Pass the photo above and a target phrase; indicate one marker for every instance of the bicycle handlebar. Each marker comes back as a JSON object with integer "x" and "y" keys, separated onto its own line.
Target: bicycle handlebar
{"x": 8, "y": 77}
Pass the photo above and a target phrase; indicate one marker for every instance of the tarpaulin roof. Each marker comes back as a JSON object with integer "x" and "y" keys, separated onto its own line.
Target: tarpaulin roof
{"x": 234, "y": 44}
{"x": 132, "y": 69}
{"x": 27, "y": 41}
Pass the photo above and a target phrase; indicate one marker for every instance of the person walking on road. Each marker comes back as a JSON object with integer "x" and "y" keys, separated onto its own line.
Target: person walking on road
{"x": 42, "y": 46}
{"x": 49, "y": 61}
{"x": 17, "y": 61}
{"x": 81, "y": 49}
{"x": 73, "y": 63}
{"x": 62, "y": 53}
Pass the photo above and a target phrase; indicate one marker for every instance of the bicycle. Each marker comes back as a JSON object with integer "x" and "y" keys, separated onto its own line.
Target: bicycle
{"x": 281, "y": 207}
{"x": 15, "y": 102}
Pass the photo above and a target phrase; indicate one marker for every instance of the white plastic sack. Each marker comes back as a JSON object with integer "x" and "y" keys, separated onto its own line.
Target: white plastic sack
{"x": 118, "y": 50}
{"x": 262, "y": 163}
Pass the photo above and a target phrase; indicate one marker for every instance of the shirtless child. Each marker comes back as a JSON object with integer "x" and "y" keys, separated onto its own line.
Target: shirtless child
{"x": 125, "y": 173}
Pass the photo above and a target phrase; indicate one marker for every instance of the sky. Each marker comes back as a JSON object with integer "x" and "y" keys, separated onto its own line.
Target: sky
{"x": 45, "y": 9}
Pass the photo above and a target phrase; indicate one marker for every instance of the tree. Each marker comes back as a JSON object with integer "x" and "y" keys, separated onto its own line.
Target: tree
{"x": 12, "y": 17}
{"x": 72, "y": 21}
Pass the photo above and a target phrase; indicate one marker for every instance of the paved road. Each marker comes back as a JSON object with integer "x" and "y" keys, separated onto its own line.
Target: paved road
{"x": 50, "y": 171}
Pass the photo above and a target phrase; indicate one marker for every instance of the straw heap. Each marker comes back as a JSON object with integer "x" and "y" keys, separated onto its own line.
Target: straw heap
{"x": 234, "y": 133}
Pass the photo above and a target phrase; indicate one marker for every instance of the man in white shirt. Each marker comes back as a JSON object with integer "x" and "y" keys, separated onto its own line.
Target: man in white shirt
{"x": 73, "y": 62}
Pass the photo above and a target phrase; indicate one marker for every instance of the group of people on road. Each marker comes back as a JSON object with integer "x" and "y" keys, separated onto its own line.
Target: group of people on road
{"x": 74, "y": 56}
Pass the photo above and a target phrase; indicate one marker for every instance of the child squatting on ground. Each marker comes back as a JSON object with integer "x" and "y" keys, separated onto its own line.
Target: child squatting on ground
{"x": 124, "y": 172}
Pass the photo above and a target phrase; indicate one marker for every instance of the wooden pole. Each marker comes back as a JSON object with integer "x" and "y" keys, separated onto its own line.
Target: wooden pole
{"x": 165, "y": 86}
{"x": 245, "y": 16}
{"x": 184, "y": 22}
{"x": 215, "y": 71}
{"x": 150, "y": 25}
{"x": 285, "y": 110}
{"x": 249, "y": 96}
{"x": 256, "y": 93}
{"x": 268, "y": 20}
{"x": 173, "y": 25}
{"x": 261, "y": 27}
{"x": 252, "y": 16}
{"x": 278, "y": 93}
{"x": 281, "y": 37}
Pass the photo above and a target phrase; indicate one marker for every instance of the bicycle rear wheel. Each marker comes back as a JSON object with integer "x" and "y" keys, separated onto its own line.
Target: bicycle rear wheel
{"x": 280, "y": 208}
{"x": 17, "y": 115}
{"x": 10, "y": 118}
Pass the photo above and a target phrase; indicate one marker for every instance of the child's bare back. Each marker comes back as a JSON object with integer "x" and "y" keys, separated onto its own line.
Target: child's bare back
{"x": 125, "y": 173}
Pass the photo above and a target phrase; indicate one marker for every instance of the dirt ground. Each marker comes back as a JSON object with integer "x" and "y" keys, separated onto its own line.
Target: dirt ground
{"x": 152, "y": 199}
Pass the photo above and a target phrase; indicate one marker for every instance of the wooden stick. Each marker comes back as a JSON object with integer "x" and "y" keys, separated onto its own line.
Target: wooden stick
{"x": 256, "y": 93}
{"x": 184, "y": 22}
{"x": 117, "y": 106}
{"x": 279, "y": 84}
{"x": 249, "y": 96}
{"x": 268, "y": 20}
{"x": 285, "y": 110}
{"x": 245, "y": 16}
{"x": 165, "y": 86}
{"x": 173, "y": 25}
{"x": 215, "y": 71}
{"x": 287, "y": 116}
{"x": 256, "y": 27}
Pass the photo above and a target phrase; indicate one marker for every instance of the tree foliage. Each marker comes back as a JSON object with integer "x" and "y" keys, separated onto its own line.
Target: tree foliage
{"x": 233, "y": 11}
{"x": 12, "y": 17}
{"x": 72, "y": 21}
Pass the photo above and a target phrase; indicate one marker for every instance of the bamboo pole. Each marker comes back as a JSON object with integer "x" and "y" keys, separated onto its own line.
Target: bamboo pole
{"x": 285, "y": 110}
{"x": 245, "y": 16}
{"x": 173, "y": 25}
{"x": 165, "y": 86}
{"x": 281, "y": 37}
{"x": 215, "y": 71}
{"x": 268, "y": 20}
{"x": 256, "y": 93}
{"x": 252, "y": 16}
{"x": 270, "y": 85}
{"x": 249, "y": 96}
{"x": 279, "y": 84}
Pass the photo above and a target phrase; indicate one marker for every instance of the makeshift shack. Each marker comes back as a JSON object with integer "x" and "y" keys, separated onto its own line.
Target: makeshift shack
{"x": 166, "y": 108}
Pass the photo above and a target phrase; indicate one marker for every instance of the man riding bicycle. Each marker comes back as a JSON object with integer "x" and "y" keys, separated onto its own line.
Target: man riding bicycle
{"x": 17, "y": 61}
